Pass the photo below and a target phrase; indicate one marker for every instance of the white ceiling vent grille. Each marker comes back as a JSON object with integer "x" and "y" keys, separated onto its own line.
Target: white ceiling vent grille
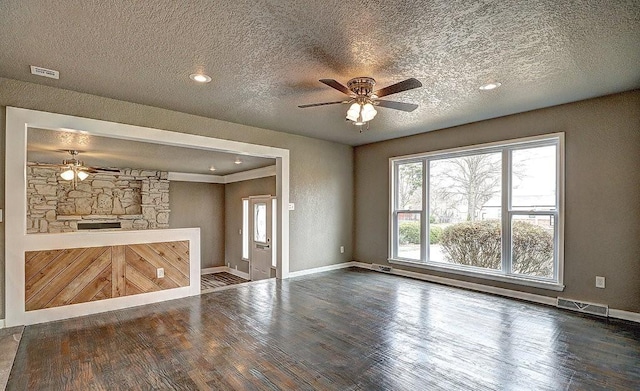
{"x": 40, "y": 71}
{"x": 589, "y": 308}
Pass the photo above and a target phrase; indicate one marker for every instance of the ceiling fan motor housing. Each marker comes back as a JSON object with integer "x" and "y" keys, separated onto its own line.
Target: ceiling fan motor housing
{"x": 361, "y": 86}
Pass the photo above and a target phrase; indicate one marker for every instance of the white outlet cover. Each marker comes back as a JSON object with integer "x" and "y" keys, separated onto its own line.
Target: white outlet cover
{"x": 600, "y": 282}
{"x": 292, "y": 206}
{"x": 160, "y": 272}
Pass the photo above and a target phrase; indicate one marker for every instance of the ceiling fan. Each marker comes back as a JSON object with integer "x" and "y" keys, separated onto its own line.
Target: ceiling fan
{"x": 73, "y": 169}
{"x": 363, "y": 98}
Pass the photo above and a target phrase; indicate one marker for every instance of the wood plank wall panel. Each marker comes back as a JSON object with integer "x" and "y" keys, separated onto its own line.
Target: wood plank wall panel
{"x": 56, "y": 278}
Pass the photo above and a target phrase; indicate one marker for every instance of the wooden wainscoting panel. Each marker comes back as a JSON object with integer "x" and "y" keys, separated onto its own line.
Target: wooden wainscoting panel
{"x": 155, "y": 256}
{"x": 37, "y": 260}
{"x": 99, "y": 288}
{"x": 118, "y": 279}
{"x": 71, "y": 292}
{"x": 55, "y": 278}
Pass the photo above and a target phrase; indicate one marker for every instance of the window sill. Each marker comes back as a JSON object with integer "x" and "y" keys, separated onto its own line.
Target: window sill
{"x": 244, "y": 259}
{"x": 461, "y": 270}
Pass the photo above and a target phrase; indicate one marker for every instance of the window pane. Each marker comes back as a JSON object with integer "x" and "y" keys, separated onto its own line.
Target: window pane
{"x": 533, "y": 245}
{"x": 409, "y": 195}
{"x": 465, "y": 210}
{"x": 409, "y": 235}
{"x": 245, "y": 229}
{"x": 260, "y": 223}
{"x": 533, "y": 178}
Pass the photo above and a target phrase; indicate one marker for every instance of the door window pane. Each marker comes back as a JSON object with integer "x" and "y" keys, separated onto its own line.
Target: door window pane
{"x": 533, "y": 178}
{"x": 409, "y": 194}
{"x": 409, "y": 235}
{"x": 260, "y": 222}
{"x": 532, "y": 245}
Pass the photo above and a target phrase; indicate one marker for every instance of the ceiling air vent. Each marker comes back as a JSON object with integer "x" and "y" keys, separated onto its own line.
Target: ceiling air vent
{"x": 40, "y": 71}
{"x": 589, "y": 308}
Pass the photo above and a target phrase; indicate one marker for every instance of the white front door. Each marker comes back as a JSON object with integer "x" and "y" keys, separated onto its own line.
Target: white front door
{"x": 260, "y": 237}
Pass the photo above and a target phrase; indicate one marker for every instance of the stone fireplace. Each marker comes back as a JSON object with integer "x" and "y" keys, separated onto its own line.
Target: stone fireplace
{"x": 136, "y": 199}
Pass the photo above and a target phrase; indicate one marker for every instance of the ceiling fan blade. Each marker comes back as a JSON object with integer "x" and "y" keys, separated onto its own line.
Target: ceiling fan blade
{"x": 321, "y": 104}
{"x": 405, "y": 85}
{"x": 337, "y": 85}
{"x": 36, "y": 164}
{"x": 390, "y": 104}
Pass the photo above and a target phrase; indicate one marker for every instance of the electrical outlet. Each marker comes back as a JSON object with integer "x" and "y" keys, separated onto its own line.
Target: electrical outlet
{"x": 599, "y": 282}
{"x": 160, "y": 272}
{"x": 292, "y": 206}
{"x": 341, "y": 249}
{"x": 240, "y": 231}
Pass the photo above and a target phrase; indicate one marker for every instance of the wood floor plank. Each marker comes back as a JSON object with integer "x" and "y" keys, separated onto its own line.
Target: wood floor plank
{"x": 350, "y": 329}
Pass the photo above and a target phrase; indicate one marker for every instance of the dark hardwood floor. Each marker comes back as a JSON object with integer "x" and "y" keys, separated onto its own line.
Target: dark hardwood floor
{"x": 343, "y": 330}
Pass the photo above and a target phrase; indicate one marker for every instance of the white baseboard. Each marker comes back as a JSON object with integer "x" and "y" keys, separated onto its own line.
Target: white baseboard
{"x": 216, "y": 269}
{"x": 321, "y": 269}
{"x": 238, "y": 273}
{"x": 613, "y": 313}
{"x": 624, "y": 315}
{"x": 1, "y": 323}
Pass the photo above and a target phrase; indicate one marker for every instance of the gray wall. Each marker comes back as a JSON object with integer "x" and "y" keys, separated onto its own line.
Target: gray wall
{"x": 234, "y": 192}
{"x": 602, "y": 213}
{"x": 321, "y": 175}
{"x": 200, "y": 205}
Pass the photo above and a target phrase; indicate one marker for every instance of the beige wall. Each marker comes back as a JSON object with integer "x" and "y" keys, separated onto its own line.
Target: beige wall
{"x": 234, "y": 192}
{"x": 602, "y": 230}
{"x": 200, "y": 205}
{"x": 321, "y": 173}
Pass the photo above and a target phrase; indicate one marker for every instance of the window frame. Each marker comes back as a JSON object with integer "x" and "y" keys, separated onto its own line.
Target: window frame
{"x": 506, "y": 148}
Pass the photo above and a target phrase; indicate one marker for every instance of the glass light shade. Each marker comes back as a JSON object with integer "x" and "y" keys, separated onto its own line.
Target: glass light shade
{"x": 67, "y": 175}
{"x": 368, "y": 112}
{"x": 354, "y": 112}
{"x": 82, "y": 175}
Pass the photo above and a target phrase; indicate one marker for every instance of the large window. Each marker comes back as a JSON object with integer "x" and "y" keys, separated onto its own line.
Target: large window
{"x": 491, "y": 210}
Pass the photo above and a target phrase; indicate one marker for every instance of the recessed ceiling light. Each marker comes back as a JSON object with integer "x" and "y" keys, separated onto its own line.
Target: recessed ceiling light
{"x": 238, "y": 161}
{"x": 200, "y": 77}
{"x": 490, "y": 86}
{"x": 212, "y": 168}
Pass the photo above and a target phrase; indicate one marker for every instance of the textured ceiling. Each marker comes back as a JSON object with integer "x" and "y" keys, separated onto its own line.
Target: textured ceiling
{"x": 47, "y": 146}
{"x": 266, "y": 56}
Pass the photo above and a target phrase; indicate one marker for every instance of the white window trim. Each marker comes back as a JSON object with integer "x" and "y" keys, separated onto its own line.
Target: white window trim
{"x": 504, "y": 146}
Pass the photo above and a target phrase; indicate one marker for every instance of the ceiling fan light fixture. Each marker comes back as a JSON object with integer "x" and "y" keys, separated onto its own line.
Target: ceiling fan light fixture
{"x": 354, "y": 112}
{"x": 67, "y": 175}
{"x": 212, "y": 168}
{"x": 368, "y": 112}
{"x": 82, "y": 175}
{"x": 238, "y": 161}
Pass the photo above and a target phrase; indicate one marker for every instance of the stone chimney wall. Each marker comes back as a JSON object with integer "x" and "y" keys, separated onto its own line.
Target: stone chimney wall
{"x": 138, "y": 199}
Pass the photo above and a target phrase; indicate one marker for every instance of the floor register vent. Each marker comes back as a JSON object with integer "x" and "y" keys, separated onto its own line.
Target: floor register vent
{"x": 589, "y": 308}
{"x": 381, "y": 268}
